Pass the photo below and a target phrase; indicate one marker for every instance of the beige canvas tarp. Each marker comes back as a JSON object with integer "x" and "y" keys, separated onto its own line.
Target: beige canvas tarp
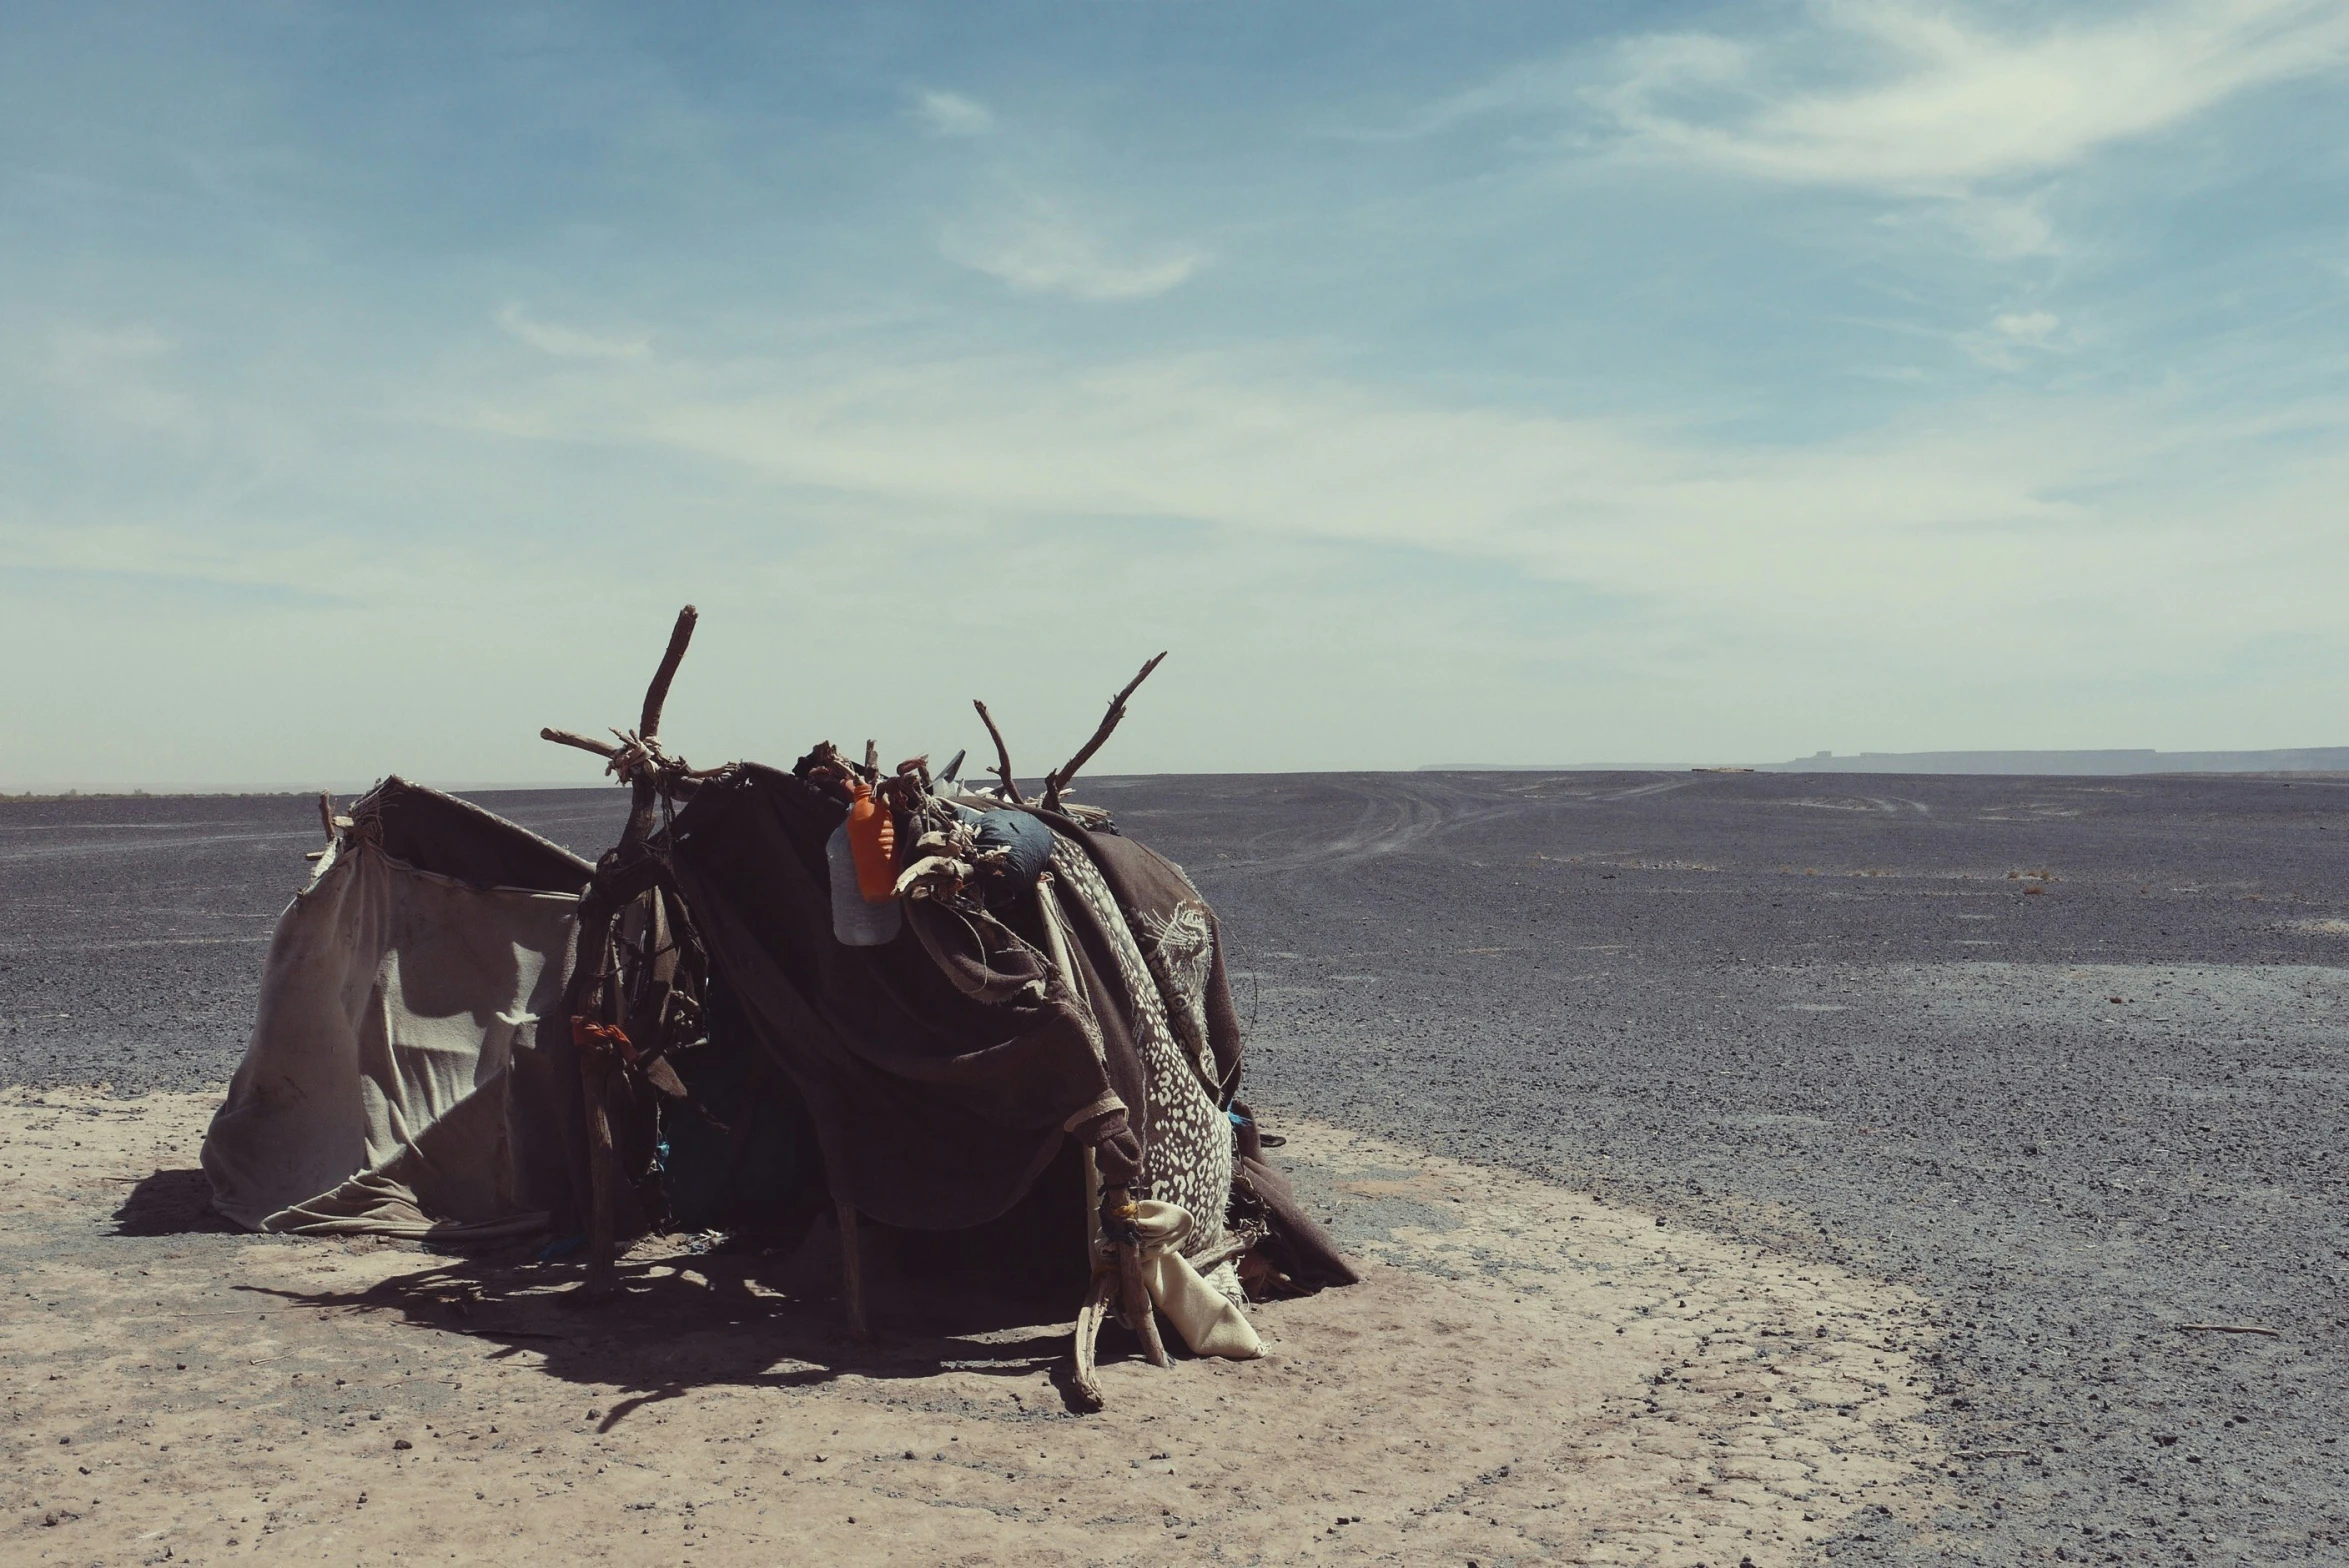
{"x": 399, "y": 1010}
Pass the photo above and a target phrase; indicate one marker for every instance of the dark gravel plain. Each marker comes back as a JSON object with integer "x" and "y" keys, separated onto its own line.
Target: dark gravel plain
{"x": 2068, "y": 1057}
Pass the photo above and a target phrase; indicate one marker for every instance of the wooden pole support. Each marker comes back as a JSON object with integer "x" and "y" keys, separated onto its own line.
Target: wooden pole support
{"x": 1134, "y": 1305}
{"x": 852, "y": 1275}
{"x": 1088, "y": 1347}
{"x": 603, "y": 1280}
{"x": 1139, "y": 1309}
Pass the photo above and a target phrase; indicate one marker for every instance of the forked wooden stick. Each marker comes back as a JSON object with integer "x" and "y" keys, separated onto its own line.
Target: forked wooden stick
{"x": 1058, "y": 780}
{"x": 1002, "y": 754}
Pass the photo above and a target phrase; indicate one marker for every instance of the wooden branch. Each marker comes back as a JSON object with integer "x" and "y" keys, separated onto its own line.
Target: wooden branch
{"x": 643, "y": 788}
{"x": 1088, "y": 1339}
{"x": 656, "y": 696}
{"x": 1217, "y": 1256}
{"x": 1002, "y": 754}
{"x": 603, "y": 749}
{"x": 1140, "y": 1309}
{"x": 852, "y": 1275}
{"x": 1059, "y": 779}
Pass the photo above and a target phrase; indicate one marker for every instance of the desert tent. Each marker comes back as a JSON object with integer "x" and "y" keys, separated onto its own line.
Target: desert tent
{"x": 467, "y": 1033}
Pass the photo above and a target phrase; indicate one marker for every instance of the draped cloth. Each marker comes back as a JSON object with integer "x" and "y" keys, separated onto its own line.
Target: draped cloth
{"x": 393, "y": 1082}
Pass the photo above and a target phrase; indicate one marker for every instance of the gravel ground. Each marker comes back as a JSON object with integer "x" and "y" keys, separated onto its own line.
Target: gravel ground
{"x": 1524, "y": 1376}
{"x": 2065, "y": 1057}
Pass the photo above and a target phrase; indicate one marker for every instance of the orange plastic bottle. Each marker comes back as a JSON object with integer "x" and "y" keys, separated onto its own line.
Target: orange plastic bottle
{"x": 872, "y": 838}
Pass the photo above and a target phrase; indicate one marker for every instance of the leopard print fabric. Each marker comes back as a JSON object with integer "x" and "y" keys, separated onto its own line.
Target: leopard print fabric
{"x": 1188, "y": 1137}
{"x": 1180, "y": 947}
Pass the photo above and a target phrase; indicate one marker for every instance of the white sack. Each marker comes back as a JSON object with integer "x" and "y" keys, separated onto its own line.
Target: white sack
{"x": 1210, "y": 1322}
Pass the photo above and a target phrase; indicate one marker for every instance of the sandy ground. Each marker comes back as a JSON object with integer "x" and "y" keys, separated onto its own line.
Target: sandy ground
{"x": 1526, "y": 1375}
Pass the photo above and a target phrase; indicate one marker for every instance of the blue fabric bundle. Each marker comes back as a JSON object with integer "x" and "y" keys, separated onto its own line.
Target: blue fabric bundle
{"x": 1028, "y": 839}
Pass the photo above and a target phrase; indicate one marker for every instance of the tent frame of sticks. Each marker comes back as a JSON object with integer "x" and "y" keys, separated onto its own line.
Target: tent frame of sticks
{"x": 1036, "y": 985}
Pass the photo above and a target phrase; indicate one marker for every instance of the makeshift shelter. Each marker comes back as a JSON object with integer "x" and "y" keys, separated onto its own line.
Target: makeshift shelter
{"x": 466, "y": 1032}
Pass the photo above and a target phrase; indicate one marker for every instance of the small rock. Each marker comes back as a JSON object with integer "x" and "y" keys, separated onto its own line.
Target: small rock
{"x": 400, "y": 1443}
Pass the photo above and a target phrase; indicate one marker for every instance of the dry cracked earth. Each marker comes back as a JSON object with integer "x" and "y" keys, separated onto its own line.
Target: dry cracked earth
{"x": 1752, "y": 1167}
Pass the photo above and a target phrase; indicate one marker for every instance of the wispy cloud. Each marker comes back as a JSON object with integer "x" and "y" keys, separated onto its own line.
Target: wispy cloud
{"x": 1038, "y": 246}
{"x": 2027, "y": 326}
{"x": 2013, "y": 339}
{"x": 1964, "y": 552}
{"x": 568, "y": 342}
{"x": 1248, "y": 448}
{"x": 1941, "y": 99}
{"x": 109, "y": 587}
{"x": 951, "y": 114}
{"x": 116, "y": 374}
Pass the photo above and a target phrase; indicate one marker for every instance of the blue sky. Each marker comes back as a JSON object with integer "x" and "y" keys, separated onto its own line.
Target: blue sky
{"x": 1439, "y": 383}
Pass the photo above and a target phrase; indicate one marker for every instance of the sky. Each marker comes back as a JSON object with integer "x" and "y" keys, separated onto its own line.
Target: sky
{"x": 1438, "y": 383}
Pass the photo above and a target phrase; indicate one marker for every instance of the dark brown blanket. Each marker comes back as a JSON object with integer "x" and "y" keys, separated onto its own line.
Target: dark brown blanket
{"x": 942, "y": 1067}
{"x": 936, "y": 1109}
